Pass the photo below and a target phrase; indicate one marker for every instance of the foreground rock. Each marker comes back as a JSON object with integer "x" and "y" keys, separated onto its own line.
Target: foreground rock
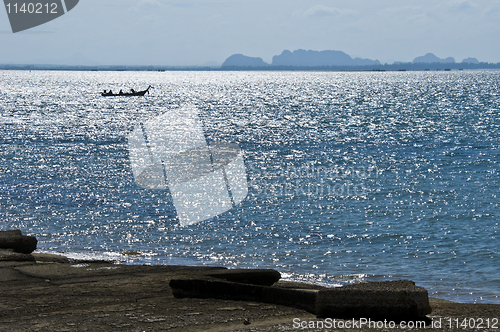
{"x": 18, "y": 242}
{"x": 389, "y": 299}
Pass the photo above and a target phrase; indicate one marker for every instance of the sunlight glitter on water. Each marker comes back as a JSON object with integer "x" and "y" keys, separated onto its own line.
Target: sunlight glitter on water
{"x": 379, "y": 175}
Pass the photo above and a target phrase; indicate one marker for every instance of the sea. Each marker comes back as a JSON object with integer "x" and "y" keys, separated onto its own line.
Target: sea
{"x": 351, "y": 176}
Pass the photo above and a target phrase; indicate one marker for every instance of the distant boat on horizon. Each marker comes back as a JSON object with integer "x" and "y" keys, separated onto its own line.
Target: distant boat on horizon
{"x": 132, "y": 93}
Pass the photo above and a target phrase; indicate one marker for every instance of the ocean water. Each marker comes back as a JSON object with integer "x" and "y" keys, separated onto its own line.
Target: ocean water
{"x": 352, "y": 177}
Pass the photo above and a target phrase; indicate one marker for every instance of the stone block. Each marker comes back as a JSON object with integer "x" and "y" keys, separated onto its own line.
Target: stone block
{"x": 388, "y": 299}
{"x": 217, "y": 289}
{"x": 296, "y": 298}
{"x": 16, "y": 241}
{"x": 264, "y": 277}
{"x": 226, "y": 290}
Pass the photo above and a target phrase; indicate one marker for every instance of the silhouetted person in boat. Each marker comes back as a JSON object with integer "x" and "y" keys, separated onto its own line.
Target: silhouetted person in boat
{"x": 121, "y": 92}
{"x": 110, "y": 92}
{"x": 104, "y": 92}
{"x": 133, "y": 91}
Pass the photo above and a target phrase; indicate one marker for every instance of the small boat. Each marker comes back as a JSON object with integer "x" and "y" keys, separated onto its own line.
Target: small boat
{"x": 132, "y": 93}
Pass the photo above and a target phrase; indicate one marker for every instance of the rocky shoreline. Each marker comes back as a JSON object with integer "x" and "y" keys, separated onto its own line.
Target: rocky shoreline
{"x": 44, "y": 292}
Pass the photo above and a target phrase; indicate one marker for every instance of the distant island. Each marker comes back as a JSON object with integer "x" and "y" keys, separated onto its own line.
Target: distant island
{"x": 303, "y": 58}
{"x": 240, "y": 60}
{"x": 431, "y": 58}
{"x": 300, "y": 58}
{"x": 338, "y": 60}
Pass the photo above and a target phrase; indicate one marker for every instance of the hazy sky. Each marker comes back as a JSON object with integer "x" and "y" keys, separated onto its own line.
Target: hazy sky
{"x": 161, "y": 32}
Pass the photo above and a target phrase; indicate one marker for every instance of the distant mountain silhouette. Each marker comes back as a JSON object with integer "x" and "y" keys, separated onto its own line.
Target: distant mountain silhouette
{"x": 431, "y": 58}
{"x": 300, "y": 58}
{"x": 303, "y": 58}
{"x": 240, "y": 60}
{"x": 471, "y": 60}
{"x": 340, "y": 61}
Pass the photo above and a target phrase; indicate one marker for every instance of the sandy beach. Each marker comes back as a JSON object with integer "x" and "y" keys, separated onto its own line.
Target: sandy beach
{"x": 56, "y": 294}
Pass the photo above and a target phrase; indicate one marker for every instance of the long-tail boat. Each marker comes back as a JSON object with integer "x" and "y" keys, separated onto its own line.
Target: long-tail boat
{"x": 132, "y": 93}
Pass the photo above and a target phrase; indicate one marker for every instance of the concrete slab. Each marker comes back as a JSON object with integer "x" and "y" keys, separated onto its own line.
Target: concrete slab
{"x": 388, "y": 299}
{"x": 264, "y": 277}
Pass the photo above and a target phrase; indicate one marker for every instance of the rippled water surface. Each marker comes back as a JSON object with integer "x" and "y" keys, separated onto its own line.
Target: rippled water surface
{"x": 352, "y": 176}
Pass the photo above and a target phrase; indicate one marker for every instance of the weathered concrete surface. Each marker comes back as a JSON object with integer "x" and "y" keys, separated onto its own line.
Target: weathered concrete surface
{"x": 388, "y": 299}
{"x": 18, "y": 242}
{"x": 85, "y": 296}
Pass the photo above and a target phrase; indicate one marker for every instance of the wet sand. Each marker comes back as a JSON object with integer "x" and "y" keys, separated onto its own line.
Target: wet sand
{"x": 54, "y": 294}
